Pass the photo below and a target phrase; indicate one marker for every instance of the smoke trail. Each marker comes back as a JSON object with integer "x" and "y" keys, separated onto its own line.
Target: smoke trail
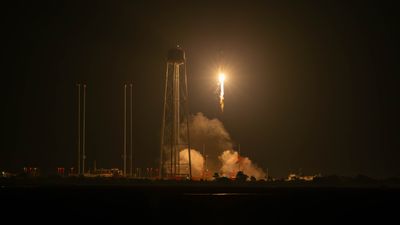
{"x": 232, "y": 163}
{"x": 197, "y": 161}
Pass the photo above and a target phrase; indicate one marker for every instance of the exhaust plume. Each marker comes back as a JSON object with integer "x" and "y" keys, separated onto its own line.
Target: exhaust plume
{"x": 221, "y": 80}
{"x": 197, "y": 161}
{"x": 232, "y": 162}
{"x": 211, "y": 134}
{"x": 208, "y": 135}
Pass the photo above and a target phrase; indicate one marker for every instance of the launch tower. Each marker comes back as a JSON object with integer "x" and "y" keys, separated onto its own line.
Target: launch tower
{"x": 175, "y": 118}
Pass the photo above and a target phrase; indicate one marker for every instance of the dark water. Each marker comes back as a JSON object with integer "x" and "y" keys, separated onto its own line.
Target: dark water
{"x": 199, "y": 205}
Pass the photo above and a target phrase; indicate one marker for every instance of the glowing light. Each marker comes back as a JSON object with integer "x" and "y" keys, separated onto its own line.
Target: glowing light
{"x": 221, "y": 79}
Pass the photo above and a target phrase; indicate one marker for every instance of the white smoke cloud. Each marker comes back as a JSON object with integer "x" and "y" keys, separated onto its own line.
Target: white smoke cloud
{"x": 197, "y": 161}
{"x": 212, "y": 134}
{"x": 232, "y": 163}
{"x": 208, "y": 132}
{"x": 209, "y": 135}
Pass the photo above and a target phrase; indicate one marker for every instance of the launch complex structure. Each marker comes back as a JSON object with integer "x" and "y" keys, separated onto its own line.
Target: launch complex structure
{"x": 175, "y": 111}
{"x": 174, "y": 163}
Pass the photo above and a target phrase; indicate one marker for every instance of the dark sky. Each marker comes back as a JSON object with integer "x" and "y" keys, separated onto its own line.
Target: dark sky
{"x": 310, "y": 85}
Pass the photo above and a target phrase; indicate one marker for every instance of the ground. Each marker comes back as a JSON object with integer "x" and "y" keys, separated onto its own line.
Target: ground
{"x": 189, "y": 203}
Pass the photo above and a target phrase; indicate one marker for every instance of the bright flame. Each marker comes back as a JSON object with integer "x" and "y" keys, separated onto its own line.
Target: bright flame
{"x": 221, "y": 79}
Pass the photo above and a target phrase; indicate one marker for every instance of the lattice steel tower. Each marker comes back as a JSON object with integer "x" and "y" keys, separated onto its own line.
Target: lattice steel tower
{"x": 175, "y": 121}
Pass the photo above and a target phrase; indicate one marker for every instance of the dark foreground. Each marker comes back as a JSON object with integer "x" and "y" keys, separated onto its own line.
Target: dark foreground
{"x": 191, "y": 204}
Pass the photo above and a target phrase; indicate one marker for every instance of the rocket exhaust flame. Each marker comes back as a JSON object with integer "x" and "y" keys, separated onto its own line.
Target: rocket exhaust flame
{"x": 221, "y": 79}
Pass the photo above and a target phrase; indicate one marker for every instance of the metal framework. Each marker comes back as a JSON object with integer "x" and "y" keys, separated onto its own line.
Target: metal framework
{"x": 175, "y": 119}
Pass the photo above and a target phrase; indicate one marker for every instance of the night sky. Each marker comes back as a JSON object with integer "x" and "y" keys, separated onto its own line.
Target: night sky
{"x": 310, "y": 85}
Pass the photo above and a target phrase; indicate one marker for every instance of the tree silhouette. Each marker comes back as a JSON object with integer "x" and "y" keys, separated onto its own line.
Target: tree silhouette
{"x": 216, "y": 176}
{"x": 241, "y": 177}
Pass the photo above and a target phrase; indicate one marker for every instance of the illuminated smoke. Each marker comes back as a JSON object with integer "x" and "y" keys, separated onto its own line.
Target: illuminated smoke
{"x": 197, "y": 161}
{"x": 208, "y": 132}
{"x": 211, "y": 134}
{"x": 221, "y": 79}
{"x": 232, "y": 162}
